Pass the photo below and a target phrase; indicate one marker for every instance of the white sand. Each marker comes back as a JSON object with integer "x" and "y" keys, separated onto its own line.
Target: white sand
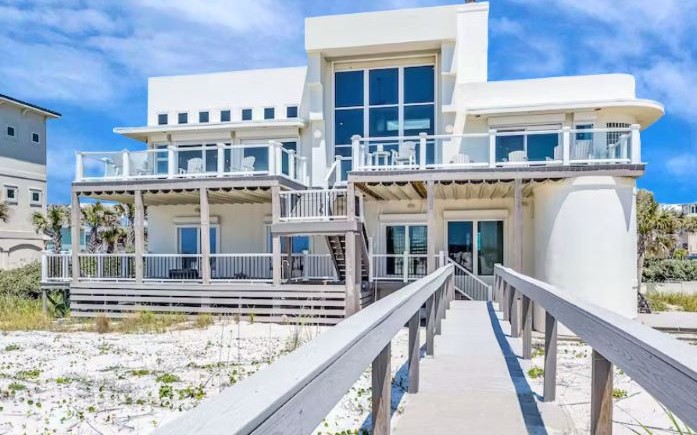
{"x": 103, "y": 394}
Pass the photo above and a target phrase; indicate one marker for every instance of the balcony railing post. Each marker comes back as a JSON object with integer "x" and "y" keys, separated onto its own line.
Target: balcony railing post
{"x": 430, "y": 324}
{"x": 636, "y": 144}
{"x": 221, "y": 159}
{"x": 527, "y": 328}
{"x": 272, "y": 158}
{"x": 355, "y": 151}
{"x": 278, "y": 151}
{"x": 171, "y": 162}
{"x": 79, "y": 167}
{"x": 492, "y": 148}
{"x": 515, "y": 313}
{"x": 405, "y": 266}
{"x": 44, "y": 267}
{"x": 422, "y": 150}
{"x": 291, "y": 164}
{"x": 126, "y": 163}
{"x": 565, "y": 145}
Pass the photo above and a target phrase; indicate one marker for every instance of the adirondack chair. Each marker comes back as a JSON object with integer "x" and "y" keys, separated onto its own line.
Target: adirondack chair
{"x": 460, "y": 159}
{"x": 582, "y": 150}
{"x": 557, "y": 154}
{"x": 406, "y": 155}
{"x": 517, "y": 156}
{"x": 193, "y": 166}
{"x": 248, "y": 164}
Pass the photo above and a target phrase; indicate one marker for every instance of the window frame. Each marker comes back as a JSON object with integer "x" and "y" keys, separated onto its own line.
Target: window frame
{"x": 247, "y": 110}
{"x": 229, "y": 115}
{"x": 38, "y": 202}
{"x": 37, "y": 135}
{"x": 297, "y": 111}
{"x": 7, "y": 188}
{"x": 186, "y": 116}
{"x": 166, "y": 115}
{"x": 14, "y": 131}
{"x": 273, "y": 113}
{"x": 201, "y": 116}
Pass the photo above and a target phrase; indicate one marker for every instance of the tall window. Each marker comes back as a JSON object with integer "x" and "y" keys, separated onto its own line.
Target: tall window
{"x": 383, "y": 103}
{"x": 10, "y": 130}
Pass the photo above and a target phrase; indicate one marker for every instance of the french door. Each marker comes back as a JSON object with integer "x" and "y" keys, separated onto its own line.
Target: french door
{"x": 476, "y": 245}
{"x": 406, "y": 239}
{"x": 189, "y": 244}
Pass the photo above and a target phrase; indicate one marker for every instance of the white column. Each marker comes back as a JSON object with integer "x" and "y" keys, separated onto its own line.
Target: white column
{"x": 75, "y": 226}
{"x": 291, "y": 164}
{"x": 565, "y": 145}
{"x": 171, "y": 162}
{"x": 275, "y": 238}
{"x": 205, "y": 236}
{"x": 636, "y": 144}
{"x": 356, "y": 152}
{"x": 422, "y": 150}
{"x": 492, "y": 148}
{"x": 126, "y": 164}
{"x": 79, "y": 167}
{"x": 221, "y": 159}
{"x": 139, "y": 227}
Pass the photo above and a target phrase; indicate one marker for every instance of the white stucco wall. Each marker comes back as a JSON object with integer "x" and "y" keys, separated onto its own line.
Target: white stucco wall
{"x": 585, "y": 240}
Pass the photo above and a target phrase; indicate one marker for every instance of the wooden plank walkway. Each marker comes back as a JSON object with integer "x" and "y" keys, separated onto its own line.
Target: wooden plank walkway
{"x": 474, "y": 383}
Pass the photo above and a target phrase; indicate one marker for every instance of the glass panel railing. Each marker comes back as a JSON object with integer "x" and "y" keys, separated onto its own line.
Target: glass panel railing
{"x": 148, "y": 163}
{"x": 102, "y": 165}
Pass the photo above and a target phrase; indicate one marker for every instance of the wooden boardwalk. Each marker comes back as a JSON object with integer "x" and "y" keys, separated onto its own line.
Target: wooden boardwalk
{"x": 475, "y": 384}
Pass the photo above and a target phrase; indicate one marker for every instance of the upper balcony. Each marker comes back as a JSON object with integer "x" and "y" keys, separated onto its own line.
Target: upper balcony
{"x": 564, "y": 149}
{"x": 192, "y": 162}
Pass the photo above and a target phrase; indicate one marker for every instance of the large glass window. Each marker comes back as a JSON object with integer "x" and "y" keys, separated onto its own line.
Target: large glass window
{"x": 461, "y": 243}
{"x": 536, "y": 147}
{"x": 489, "y": 246}
{"x": 419, "y": 84}
{"x": 348, "y": 89}
{"x": 384, "y": 86}
{"x": 478, "y": 253}
{"x": 410, "y": 239}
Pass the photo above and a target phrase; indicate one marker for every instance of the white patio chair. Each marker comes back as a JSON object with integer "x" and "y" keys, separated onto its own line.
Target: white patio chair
{"x": 248, "y": 164}
{"x": 517, "y": 156}
{"x": 557, "y": 154}
{"x": 460, "y": 159}
{"x": 193, "y": 166}
{"x": 582, "y": 150}
{"x": 406, "y": 155}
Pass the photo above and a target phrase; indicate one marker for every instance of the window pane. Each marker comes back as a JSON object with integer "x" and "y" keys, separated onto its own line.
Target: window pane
{"x": 299, "y": 244}
{"x": 269, "y": 113}
{"x": 346, "y": 124}
{"x": 418, "y": 84}
{"x": 395, "y": 243}
{"x": 348, "y": 88}
{"x": 183, "y": 118}
{"x": 202, "y": 116}
{"x": 285, "y": 157}
{"x": 461, "y": 243}
{"x": 224, "y": 116}
{"x": 490, "y": 241}
{"x": 162, "y": 119}
{"x": 214, "y": 242}
{"x": 541, "y": 146}
{"x": 418, "y": 119}
{"x": 188, "y": 240}
{"x": 384, "y": 86}
{"x": 507, "y": 144}
{"x": 384, "y": 121}
{"x": 246, "y": 114}
{"x": 417, "y": 239}
{"x": 211, "y": 158}
{"x": 584, "y": 136}
{"x": 292, "y": 112}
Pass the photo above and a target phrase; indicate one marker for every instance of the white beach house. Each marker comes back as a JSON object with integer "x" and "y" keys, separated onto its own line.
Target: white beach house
{"x": 310, "y": 190}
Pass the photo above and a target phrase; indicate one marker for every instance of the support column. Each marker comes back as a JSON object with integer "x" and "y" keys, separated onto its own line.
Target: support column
{"x": 382, "y": 389}
{"x": 139, "y": 228}
{"x": 75, "y": 225}
{"x": 205, "y": 237}
{"x": 550, "y": 382}
{"x": 414, "y": 352}
{"x": 601, "y": 395}
{"x": 430, "y": 227}
{"x": 518, "y": 225}
{"x": 350, "y": 267}
{"x": 276, "y": 263}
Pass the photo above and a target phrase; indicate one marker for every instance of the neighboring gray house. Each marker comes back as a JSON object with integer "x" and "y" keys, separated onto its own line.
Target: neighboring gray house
{"x": 22, "y": 178}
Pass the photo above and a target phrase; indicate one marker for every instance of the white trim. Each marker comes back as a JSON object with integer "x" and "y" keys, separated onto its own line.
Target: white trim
{"x": 403, "y": 217}
{"x": 38, "y": 202}
{"x": 552, "y": 118}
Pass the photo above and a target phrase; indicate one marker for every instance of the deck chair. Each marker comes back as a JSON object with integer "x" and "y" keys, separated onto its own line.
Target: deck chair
{"x": 193, "y": 166}
{"x": 460, "y": 159}
{"x": 517, "y": 156}
{"x": 582, "y": 150}
{"x": 557, "y": 154}
{"x": 248, "y": 164}
{"x": 406, "y": 155}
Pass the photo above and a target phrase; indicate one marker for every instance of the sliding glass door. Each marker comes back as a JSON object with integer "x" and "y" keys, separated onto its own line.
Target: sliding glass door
{"x": 410, "y": 239}
{"x": 476, "y": 245}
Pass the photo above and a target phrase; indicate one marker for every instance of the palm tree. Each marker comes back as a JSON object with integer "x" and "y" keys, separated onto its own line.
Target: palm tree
{"x": 97, "y": 218}
{"x": 656, "y": 229}
{"x": 51, "y": 224}
{"x": 4, "y": 211}
{"x": 128, "y": 211}
{"x": 112, "y": 236}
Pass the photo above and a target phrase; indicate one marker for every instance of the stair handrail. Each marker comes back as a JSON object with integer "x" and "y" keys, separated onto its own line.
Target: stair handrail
{"x": 458, "y": 266}
{"x": 332, "y": 171}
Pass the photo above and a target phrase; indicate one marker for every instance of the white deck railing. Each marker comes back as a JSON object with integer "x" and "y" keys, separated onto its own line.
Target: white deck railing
{"x": 242, "y": 267}
{"x": 469, "y": 285}
{"x": 398, "y": 267}
{"x": 192, "y": 162}
{"x": 306, "y": 266}
{"x": 107, "y": 267}
{"x": 498, "y": 149}
{"x": 315, "y": 204}
{"x": 56, "y": 267}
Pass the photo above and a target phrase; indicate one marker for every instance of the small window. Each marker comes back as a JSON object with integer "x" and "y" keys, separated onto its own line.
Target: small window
{"x": 183, "y": 118}
{"x": 35, "y": 137}
{"x": 10, "y": 131}
{"x": 246, "y": 114}
{"x": 582, "y": 135}
{"x": 269, "y": 113}
{"x": 202, "y": 116}
{"x": 162, "y": 119}
{"x": 11, "y": 194}
{"x": 35, "y": 196}
{"x": 224, "y": 116}
{"x": 292, "y": 112}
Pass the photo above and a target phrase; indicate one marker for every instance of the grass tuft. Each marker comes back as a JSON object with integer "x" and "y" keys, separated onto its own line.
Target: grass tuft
{"x": 102, "y": 324}
{"x": 204, "y": 320}
{"x": 536, "y": 372}
{"x": 665, "y": 301}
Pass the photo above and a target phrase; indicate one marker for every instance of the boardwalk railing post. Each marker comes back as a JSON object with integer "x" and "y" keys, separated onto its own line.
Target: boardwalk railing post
{"x": 527, "y": 328}
{"x": 430, "y": 323}
{"x": 505, "y": 300}
{"x": 440, "y": 305}
{"x": 601, "y": 395}
{"x": 550, "y": 384}
{"x": 515, "y": 312}
{"x": 414, "y": 350}
{"x": 382, "y": 386}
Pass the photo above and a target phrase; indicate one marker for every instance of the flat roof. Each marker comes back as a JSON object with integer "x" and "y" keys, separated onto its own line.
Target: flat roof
{"x": 141, "y": 133}
{"x": 47, "y": 112}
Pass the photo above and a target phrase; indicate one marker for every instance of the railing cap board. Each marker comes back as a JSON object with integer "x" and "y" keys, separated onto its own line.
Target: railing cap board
{"x": 664, "y": 366}
{"x": 295, "y": 393}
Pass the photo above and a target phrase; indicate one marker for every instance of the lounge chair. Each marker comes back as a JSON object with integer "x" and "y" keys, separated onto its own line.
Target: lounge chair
{"x": 406, "y": 155}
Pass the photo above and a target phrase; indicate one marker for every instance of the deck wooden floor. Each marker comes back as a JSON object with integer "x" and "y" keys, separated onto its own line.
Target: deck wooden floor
{"x": 474, "y": 384}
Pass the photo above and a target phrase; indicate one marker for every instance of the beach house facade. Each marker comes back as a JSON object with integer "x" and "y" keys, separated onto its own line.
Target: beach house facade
{"x": 22, "y": 178}
{"x": 313, "y": 190}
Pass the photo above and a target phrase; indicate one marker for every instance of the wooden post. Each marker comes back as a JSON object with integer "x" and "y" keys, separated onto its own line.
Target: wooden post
{"x": 515, "y": 313}
{"x": 205, "y": 236}
{"x": 44, "y": 305}
{"x": 276, "y": 263}
{"x": 527, "y": 328}
{"x": 352, "y": 295}
{"x": 505, "y": 301}
{"x": 550, "y": 383}
{"x": 438, "y": 309}
{"x": 75, "y": 226}
{"x": 139, "y": 229}
{"x": 382, "y": 389}
{"x": 430, "y": 323}
{"x": 518, "y": 225}
{"x": 601, "y": 395}
{"x": 414, "y": 352}
{"x": 430, "y": 228}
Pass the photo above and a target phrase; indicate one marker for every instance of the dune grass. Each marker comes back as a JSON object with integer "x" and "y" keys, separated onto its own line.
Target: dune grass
{"x": 667, "y": 301}
{"x": 22, "y": 314}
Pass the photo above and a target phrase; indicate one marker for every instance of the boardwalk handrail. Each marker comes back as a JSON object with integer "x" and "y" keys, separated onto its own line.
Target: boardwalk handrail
{"x": 295, "y": 393}
{"x": 473, "y": 287}
{"x": 662, "y": 365}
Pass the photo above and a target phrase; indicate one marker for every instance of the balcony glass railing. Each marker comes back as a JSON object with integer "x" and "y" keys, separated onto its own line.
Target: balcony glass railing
{"x": 192, "y": 162}
{"x": 562, "y": 147}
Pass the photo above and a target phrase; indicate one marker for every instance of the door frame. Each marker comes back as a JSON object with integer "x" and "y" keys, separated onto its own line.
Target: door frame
{"x": 476, "y": 216}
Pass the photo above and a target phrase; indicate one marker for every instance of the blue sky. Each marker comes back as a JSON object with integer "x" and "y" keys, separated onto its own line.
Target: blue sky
{"x": 90, "y": 61}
